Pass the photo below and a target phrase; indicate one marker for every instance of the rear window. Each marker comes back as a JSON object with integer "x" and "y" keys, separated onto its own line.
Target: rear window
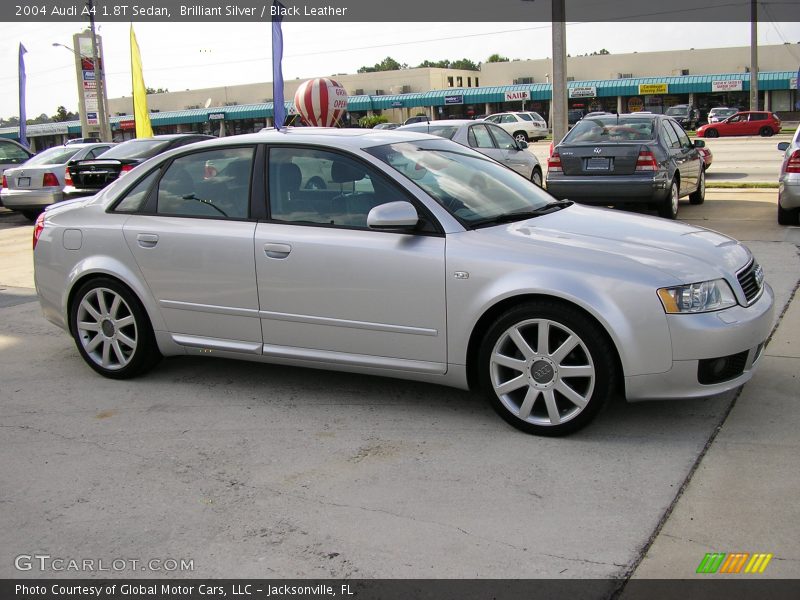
{"x": 445, "y": 131}
{"x": 136, "y": 149}
{"x": 54, "y": 156}
{"x": 611, "y": 129}
{"x": 525, "y": 117}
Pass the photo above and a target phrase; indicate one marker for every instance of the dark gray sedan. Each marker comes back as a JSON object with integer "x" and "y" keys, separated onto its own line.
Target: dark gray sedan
{"x": 625, "y": 159}
{"x": 488, "y": 139}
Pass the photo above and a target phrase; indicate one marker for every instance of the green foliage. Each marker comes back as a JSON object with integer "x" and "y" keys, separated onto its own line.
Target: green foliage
{"x": 370, "y": 122}
{"x": 497, "y": 58}
{"x": 387, "y": 64}
{"x": 463, "y": 63}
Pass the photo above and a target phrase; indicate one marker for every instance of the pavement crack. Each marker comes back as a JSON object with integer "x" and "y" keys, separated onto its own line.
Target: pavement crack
{"x": 584, "y": 560}
{"x": 76, "y": 439}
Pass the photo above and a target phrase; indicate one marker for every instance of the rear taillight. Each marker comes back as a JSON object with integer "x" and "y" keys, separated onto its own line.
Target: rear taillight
{"x": 125, "y": 169}
{"x": 67, "y": 177}
{"x": 37, "y": 229}
{"x": 5, "y": 182}
{"x": 550, "y": 152}
{"x": 793, "y": 165}
{"x": 646, "y": 161}
{"x": 50, "y": 180}
{"x": 554, "y": 163}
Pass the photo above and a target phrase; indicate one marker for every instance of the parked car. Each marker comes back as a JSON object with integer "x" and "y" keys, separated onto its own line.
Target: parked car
{"x": 39, "y": 181}
{"x": 574, "y": 115}
{"x": 523, "y": 126}
{"x": 789, "y": 182}
{"x": 720, "y": 113}
{"x": 763, "y": 123}
{"x": 443, "y": 267}
{"x": 12, "y": 153}
{"x": 387, "y": 126}
{"x": 686, "y": 115}
{"x": 623, "y": 159}
{"x": 84, "y": 140}
{"x": 87, "y": 177}
{"x": 416, "y": 119}
{"x": 706, "y": 155}
{"x": 488, "y": 139}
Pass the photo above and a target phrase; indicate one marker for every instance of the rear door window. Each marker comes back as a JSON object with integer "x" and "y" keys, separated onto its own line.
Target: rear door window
{"x": 670, "y": 137}
{"x": 479, "y": 137}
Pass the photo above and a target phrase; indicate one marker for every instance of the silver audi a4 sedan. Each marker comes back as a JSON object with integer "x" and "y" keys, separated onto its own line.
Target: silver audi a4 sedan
{"x": 419, "y": 258}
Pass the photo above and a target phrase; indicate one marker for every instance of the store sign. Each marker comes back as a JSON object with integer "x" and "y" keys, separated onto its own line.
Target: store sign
{"x": 586, "y": 91}
{"x": 216, "y": 116}
{"x": 454, "y": 99}
{"x": 635, "y": 104}
{"x": 726, "y": 85}
{"x": 127, "y": 125}
{"x": 397, "y": 104}
{"x": 653, "y": 88}
{"x": 515, "y": 96}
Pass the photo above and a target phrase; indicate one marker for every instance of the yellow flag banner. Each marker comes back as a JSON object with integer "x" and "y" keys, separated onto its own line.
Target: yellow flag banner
{"x": 140, "y": 112}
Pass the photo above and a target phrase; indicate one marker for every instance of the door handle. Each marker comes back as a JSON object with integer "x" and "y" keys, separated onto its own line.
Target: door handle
{"x": 277, "y": 250}
{"x": 147, "y": 240}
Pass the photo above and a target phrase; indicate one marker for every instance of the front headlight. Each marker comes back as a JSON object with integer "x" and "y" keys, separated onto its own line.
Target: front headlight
{"x": 700, "y": 297}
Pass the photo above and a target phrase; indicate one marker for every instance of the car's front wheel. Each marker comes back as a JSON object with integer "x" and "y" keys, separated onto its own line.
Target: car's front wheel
{"x": 699, "y": 195}
{"x": 111, "y": 329}
{"x": 668, "y": 208}
{"x": 536, "y": 176}
{"x": 546, "y": 367}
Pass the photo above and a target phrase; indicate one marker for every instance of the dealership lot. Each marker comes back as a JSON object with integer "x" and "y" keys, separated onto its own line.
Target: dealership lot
{"x": 264, "y": 471}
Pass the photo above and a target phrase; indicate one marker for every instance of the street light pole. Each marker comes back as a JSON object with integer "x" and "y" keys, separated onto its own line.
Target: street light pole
{"x": 102, "y": 112}
{"x": 753, "y": 55}
{"x": 559, "y": 97}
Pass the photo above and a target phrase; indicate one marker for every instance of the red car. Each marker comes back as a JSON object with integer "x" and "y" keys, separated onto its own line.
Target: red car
{"x": 763, "y": 123}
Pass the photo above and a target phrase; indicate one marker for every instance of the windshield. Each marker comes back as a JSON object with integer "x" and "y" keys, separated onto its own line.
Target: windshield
{"x": 610, "y": 129}
{"x": 468, "y": 185}
{"x": 54, "y": 156}
{"x": 445, "y": 131}
{"x": 135, "y": 149}
{"x": 676, "y": 111}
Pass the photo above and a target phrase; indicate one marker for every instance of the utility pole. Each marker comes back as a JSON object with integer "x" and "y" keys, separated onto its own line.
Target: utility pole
{"x": 559, "y": 101}
{"x": 99, "y": 78}
{"x": 753, "y": 55}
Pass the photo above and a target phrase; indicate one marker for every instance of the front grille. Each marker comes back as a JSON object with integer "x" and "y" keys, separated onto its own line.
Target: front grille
{"x": 724, "y": 368}
{"x": 751, "y": 278}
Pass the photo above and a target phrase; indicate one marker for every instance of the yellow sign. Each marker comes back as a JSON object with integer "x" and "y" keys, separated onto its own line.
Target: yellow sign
{"x": 653, "y": 88}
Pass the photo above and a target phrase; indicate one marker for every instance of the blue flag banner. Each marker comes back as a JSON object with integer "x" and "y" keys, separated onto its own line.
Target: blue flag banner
{"x": 23, "y": 117}
{"x": 278, "y": 10}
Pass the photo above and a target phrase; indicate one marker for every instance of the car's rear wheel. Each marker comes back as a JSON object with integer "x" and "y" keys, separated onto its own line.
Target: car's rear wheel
{"x": 31, "y": 215}
{"x": 788, "y": 216}
{"x": 111, "y": 329}
{"x": 766, "y": 131}
{"x": 546, "y": 367}
{"x": 669, "y": 205}
{"x": 521, "y": 136}
{"x": 711, "y": 133}
{"x": 536, "y": 176}
{"x": 699, "y": 195}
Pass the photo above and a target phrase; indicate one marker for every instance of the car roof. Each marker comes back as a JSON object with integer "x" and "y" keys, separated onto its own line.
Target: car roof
{"x": 441, "y": 122}
{"x": 328, "y": 136}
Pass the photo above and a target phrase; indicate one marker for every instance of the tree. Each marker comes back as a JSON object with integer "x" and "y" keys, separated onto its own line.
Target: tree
{"x": 496, "y": 58}
{"x": 387, "y": 64}
{"x": 464, "y": 64}
{"x": 61, "y": 115}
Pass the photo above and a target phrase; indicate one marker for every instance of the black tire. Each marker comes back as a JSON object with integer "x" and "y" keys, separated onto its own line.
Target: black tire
{"x": 766, "y": 132}
{"x": 31, "y": 215}
{"x": 790, "y": 216}
{"x": 699, "y": 195}
{"x": 521, "y": 136}
{"x": 107, "y": 349}
{"x": 711, "y": 133}
{"x": 536, "y": 176}
{"x": 668, "y": 209}
{"x": 550, "y": 411}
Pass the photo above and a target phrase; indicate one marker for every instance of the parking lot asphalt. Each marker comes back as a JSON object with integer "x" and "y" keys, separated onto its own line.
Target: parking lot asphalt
{"x": 264, "y": 471}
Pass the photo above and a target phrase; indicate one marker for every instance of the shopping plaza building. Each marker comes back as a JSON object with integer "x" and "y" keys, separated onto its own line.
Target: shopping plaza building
{"x": 651, "y": 81}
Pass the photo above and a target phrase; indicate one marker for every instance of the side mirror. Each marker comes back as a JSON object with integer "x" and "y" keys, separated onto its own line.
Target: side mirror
{"x": 522, "y": 144}
{"x": 699, "y": 144}
{"x": 396, "y": 216}
{"x": 783, "y": 146}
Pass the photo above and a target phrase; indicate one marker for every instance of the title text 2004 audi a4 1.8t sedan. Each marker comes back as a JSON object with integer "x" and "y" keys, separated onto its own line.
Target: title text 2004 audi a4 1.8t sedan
{"x": 419, "y": 258}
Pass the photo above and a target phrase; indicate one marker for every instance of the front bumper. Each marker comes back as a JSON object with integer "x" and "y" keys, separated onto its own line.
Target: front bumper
{"x": 737, "y": 331}
{"x": 609, "y": 189}
{"x": 30, "y": 199}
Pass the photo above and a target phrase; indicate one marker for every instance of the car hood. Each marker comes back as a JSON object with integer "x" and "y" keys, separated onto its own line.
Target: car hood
{"x": 611, "y": 237}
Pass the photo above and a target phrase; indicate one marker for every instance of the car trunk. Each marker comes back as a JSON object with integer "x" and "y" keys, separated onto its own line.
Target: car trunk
{"x": 28, "y": 178}
{"x": 599, "y": 159}
{"x": 95, "y": 174}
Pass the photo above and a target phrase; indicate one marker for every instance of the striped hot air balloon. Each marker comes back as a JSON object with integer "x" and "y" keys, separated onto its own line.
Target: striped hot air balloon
{"x": 321, "y": 101}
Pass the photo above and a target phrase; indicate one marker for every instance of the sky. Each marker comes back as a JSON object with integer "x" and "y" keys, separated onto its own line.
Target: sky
{"x": 180, "y": 56}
